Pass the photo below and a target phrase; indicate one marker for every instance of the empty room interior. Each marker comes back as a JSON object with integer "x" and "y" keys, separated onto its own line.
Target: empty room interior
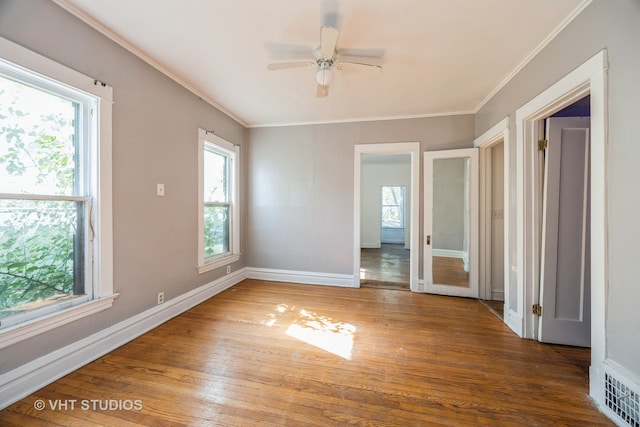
{"x": 319, "y": 213}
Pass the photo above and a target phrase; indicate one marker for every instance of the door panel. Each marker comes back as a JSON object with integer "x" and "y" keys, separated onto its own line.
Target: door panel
{"x": 565, "y": 263}
{"x": 451, "y": 222}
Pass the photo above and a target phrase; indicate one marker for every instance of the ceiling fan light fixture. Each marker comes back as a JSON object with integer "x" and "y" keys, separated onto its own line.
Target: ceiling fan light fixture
{"x": 324, "y": 76}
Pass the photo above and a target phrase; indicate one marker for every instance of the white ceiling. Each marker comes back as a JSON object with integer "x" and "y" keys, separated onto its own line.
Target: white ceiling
{"x": 438, "y": 56}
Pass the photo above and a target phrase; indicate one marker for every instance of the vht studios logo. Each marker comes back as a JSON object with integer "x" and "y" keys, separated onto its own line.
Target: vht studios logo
{"x": 88, "y": 405}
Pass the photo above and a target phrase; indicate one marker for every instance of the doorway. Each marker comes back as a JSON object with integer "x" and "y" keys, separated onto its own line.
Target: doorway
{"x": 587, "y": 79}
{"x": 495, "y": 268}
{"x": 385, "y": 221}
{"x": 564, "y": 300}
{"x": 406, "y": 154}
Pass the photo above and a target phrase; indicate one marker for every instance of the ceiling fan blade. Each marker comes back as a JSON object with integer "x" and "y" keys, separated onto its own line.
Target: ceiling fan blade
{"x": 362, "y": 53}
{"x": 328, "y": 41}
{"x": 322, "y": 91}
{"x": 285, "y": 65}
{"x": 345, "y": 65}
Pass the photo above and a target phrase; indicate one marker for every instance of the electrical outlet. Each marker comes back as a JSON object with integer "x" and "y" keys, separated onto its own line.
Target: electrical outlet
{"x": 160, "y": 297}
{"x": 228, "y": 269}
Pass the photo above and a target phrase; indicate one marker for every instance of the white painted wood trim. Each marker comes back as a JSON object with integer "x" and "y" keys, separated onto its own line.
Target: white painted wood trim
{"x": 100, "y": 272}
{"x": 30, "y": 60}
{"x": 23, "y": 331}
{"x": 498, "y": 132}
{"x": 28, "y": 378}
{"x": 75, "y": 11}
{"x": 497, "y": 295}
{"x": 304, "y": 277}
{"x": 552, "y": 35}
{"x": 204, "y": 138}
{"x": 374, "y": 245}
{"x": 472, "y": 256}
{"x": 588, "y": 78}
{"x": 412, "y": 148}
{"x": 448, "y": 253}
{"x": 493, "y": 135}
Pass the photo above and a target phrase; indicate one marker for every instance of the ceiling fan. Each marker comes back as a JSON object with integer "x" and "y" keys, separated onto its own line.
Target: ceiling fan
{"x": 325, "y": 59}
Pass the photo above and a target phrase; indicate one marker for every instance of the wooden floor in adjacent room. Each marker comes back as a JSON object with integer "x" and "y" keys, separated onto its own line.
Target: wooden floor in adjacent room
{"x": 276, "y": 354}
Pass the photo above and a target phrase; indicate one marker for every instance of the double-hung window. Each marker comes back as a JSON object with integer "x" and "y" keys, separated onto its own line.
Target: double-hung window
{"x": 55, "y": 218}
{"x": 218, "y": 236}
{"x": 393, "y": 206}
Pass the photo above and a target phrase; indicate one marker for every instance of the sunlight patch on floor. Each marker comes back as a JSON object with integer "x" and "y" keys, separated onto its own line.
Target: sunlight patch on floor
{"x": 272, "y": 318}
{"x": 323, "y": 332}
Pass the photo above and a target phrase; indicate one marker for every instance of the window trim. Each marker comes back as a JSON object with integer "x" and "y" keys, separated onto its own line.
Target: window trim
{"x": 401, "y": 207}
{"x": 225, "y": 147}
{"x": 101, "y": 161}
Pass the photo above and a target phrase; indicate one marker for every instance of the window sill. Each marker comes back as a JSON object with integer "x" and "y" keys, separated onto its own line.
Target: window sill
{"x": 203, "y": 268}
{"x": 43, "y": 324}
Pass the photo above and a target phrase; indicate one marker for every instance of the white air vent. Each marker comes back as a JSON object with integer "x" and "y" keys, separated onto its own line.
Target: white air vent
{"x": 622, "y": 398}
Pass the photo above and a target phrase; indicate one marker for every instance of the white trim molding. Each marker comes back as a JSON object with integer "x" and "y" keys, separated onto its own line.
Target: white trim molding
{"x": 499, "y": 132}
{"x": 304, "y": 277}
{"x": 48, "y": 74}
{"x": 28, "y": 378}
{"x": 590, "y": 78}
{"x": 412, "y": 148}
{"x": 23, "y": 331}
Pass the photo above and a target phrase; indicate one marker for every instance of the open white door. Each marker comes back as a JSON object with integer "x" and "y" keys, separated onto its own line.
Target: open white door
{"x": 451, "y": 222}
{"x": 565, "y": 285}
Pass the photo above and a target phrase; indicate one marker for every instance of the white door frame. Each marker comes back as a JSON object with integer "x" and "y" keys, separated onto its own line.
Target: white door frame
{"x": 471, "y": 223}
{"x": 412, "y": 148}
{"x": 588, "y": 78}
{"x": 498, "y": 133}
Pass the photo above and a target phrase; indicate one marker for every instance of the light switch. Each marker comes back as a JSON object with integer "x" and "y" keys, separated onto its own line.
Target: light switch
{"x": 160, "y": 189}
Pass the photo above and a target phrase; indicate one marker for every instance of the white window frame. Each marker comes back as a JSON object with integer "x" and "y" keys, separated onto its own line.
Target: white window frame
{"x": 401, "y": 207}
{"x": 206, "y": 138}
{"x": 101, "y": 274}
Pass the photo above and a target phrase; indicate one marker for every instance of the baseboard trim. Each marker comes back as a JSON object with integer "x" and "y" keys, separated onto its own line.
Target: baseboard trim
{"x": 513, "y": 321}
{"x": 374, "y": 245}
{"x": 447, "y": 253}
{"x": 497, "y": 295}
{"x": 28, "y": 378}
{"x": 304, "y": 277}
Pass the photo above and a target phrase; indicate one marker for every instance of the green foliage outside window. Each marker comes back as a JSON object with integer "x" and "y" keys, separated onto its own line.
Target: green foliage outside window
{"x": 40, "y": 247}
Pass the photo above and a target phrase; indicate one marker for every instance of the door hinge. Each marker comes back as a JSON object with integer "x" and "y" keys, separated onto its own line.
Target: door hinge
{"x": 537, "y": 309}
{"x": 543, "y": 144}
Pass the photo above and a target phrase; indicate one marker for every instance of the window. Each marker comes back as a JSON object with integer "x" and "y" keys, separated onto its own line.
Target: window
{"x": 393, "y": 207}
{"x": 55, "y": 232}
{"x": 218, "y": 237}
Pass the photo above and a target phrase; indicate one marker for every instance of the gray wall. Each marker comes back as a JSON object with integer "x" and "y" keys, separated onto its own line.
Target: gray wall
{"x": 613, "y": 25}
{"x": 300, "y": 211}
{"x": 155, "y": 140}
{"x": 448, "y": 222}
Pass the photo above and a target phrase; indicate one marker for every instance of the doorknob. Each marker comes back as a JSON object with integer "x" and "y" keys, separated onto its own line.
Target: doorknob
{"x": 428, "y": 240}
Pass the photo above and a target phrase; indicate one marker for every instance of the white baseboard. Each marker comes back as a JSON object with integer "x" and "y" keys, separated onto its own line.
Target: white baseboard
{"x": 394, "y": 241}
{"x": 513, "y": 321}
{"x": 305, "y": 277}
{"x": 28, "y": 378}
{"x": 369, "y": 245}
{"x": 447, "y": 253}
{"x": 497, "y": 295}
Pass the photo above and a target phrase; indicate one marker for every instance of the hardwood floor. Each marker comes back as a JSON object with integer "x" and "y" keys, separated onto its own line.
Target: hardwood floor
{"x": 386, "y": 267}
{"x": 449, "y": 271}
{"x": 267, "y": 353}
